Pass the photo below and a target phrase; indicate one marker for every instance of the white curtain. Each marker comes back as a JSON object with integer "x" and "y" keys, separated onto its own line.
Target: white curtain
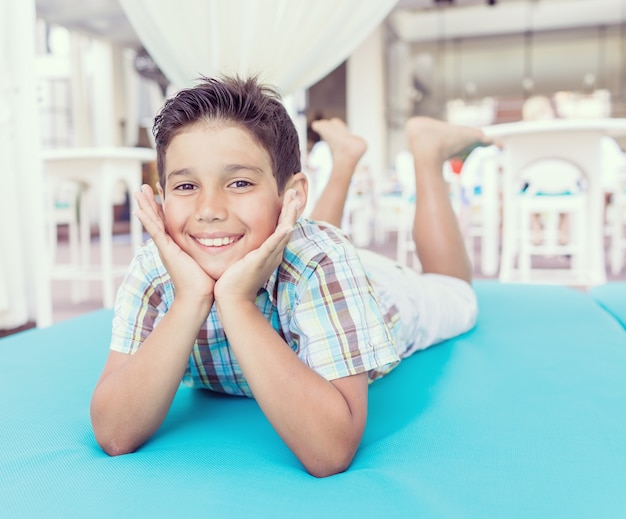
{"x": 23, "y": 262}
{"x": 288, "y": 43}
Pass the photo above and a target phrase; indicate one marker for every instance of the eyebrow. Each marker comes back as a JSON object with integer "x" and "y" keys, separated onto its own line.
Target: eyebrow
{"x": 233, "y": 168}
{"x": 179, "y": 173}
{"x": 228, "y": 169}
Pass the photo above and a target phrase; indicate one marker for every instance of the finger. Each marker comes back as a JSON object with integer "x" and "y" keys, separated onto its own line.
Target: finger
{"x": 272, "y": 249}
{"x": 144, "y": 212}
{"x": 288, "y": 197}
{"x": 151, "y": 219}
{"x": 290, "y": 209}
{"x": 142, "y": 198}
{"x": 147, "y": 202}
{"x": 167, "y": 248}
{"x": 153, "y": 227}
{"x": 156, "y": 207}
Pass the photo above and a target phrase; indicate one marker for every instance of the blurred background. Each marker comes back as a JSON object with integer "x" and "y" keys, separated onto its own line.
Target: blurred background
{"x": 83, "y": 80}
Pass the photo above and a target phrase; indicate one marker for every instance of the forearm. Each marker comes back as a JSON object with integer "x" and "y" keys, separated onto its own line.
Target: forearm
{"x": 131, "y": 401}
{"x": 309, "y": 413}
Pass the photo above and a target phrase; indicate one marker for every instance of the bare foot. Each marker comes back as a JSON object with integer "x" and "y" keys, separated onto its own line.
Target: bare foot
{"x": 346, "y": 150}
{"x": 344, "y": 145}
{"x": 440, "y": 139}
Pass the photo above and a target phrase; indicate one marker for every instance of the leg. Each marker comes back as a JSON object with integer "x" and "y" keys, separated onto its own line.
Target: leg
{"x": 438, "y": 239}
{"x": 346, "y": 149}
{"x": 537, "y": 229}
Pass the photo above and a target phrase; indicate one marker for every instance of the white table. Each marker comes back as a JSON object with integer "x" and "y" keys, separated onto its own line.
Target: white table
{"x": 576, "y": 140}
{"x": 98, "y": 170}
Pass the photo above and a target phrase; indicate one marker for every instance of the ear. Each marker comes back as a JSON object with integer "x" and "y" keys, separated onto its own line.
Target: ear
{"x": 159, "y": 190}
{"x": 300, "y": 183}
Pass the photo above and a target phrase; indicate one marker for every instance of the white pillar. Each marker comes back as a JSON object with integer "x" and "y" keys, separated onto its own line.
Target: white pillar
{"x": 82, "y": 136}
{"x": 129, "y": 104}
{"x": 399, "y": 101}
{"x": 365, "y": 94}
{"x": 295, "y": 104}
{"x": 102, "y": 101}
{"x": 365, "y": 88}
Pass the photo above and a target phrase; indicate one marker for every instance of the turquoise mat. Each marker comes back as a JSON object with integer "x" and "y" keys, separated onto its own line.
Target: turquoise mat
{"x": 612, "y": 297}
{"x": 523, "y": 417}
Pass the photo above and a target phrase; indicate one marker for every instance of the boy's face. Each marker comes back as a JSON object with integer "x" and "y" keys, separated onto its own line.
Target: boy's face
{"x": 220, "y": 198}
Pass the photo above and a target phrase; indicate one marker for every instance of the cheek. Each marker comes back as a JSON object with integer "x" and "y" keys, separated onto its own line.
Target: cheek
{"x": 264, "y": 218}
{"x": 173, "y": 217}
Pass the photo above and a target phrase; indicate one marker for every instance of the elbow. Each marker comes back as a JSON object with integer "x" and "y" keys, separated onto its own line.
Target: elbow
{"x": 113, "y": 449}
{"x": 112, "y": 441}
{"x": 327, "y": 468}
{"x": 329, "y": 464}
{"x": 114, "y": 446}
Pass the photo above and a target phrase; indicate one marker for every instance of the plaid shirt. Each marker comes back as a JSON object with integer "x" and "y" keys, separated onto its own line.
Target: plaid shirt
{"x": 319, "y": 300}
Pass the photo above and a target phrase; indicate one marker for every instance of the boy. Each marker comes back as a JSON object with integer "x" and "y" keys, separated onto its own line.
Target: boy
{"x": 237, "y": 294}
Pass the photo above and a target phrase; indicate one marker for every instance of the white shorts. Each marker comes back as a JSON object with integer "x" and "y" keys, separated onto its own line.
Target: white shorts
{"x": 432, "y": 307}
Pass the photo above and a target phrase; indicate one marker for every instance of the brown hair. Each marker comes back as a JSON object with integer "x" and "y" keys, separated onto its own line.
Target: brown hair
{"x": 245, "y": 102}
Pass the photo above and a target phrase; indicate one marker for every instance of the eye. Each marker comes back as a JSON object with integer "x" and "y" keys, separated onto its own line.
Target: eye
{"x": 184, "y": 187}
{"x": 239, "y": 184}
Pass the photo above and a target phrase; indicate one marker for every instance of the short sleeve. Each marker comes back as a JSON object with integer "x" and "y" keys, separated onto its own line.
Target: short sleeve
{"x": 337, "y": 318}
{"x": 141, "y": 301}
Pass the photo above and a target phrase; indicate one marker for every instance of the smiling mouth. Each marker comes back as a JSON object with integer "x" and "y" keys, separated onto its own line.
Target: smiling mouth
{"x": 216, "y": 242}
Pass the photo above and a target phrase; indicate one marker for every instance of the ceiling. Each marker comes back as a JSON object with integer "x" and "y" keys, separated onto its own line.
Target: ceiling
{"x": 422, "y": 21}
{"x": 411, "y": 20}
{"x": 104, "y": 18}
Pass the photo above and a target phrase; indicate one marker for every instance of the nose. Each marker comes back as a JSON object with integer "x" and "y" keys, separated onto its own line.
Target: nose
{"x": 211, "y": 206}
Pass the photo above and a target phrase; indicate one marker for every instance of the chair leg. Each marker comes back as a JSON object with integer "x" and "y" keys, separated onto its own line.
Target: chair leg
{"x": 617, "y": 238}
{"x": 74, "y": 244}
{"x": 84, "y": 226}
{"x": 525, "y": 237}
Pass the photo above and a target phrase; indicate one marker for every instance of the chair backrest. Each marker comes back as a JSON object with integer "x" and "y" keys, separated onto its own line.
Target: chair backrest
{"x": 552, "y": 177}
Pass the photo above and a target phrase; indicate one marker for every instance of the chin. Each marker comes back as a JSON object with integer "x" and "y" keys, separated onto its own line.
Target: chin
{"x": 214, "y": 273}
{"x": 215, "y": 266}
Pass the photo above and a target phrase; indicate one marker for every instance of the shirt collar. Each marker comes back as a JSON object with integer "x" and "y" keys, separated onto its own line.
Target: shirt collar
{"x": 270, "y": 285}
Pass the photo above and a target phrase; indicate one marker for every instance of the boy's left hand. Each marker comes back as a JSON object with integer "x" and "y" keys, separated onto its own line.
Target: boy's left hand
{"x": 242, "y": 280}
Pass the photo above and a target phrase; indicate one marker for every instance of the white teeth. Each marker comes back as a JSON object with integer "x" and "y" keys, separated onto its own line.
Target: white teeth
{"x": 215, "y": 242}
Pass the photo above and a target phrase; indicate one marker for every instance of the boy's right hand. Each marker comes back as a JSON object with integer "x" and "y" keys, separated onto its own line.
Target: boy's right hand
{"x": 188, "y": 277}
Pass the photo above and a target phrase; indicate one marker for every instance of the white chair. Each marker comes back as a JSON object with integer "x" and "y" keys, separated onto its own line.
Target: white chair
{"x": 101, "y": 171}
{"x": 358, "y": 210}
{"x": 405, "y": 245}
{"x": 471, "y": 113}
{"x": 614, "y": 183}
{"x": 479, "y": 214}
{"x": 400, "y": 208}
{"x": 616, "y": 216}
{"x": 63, "y": 209}
{"x": 576, "y": 141}
{"x": 552, "y": 188}
{"x": 574, "y": 105}
{"x": 391, "y": 196}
